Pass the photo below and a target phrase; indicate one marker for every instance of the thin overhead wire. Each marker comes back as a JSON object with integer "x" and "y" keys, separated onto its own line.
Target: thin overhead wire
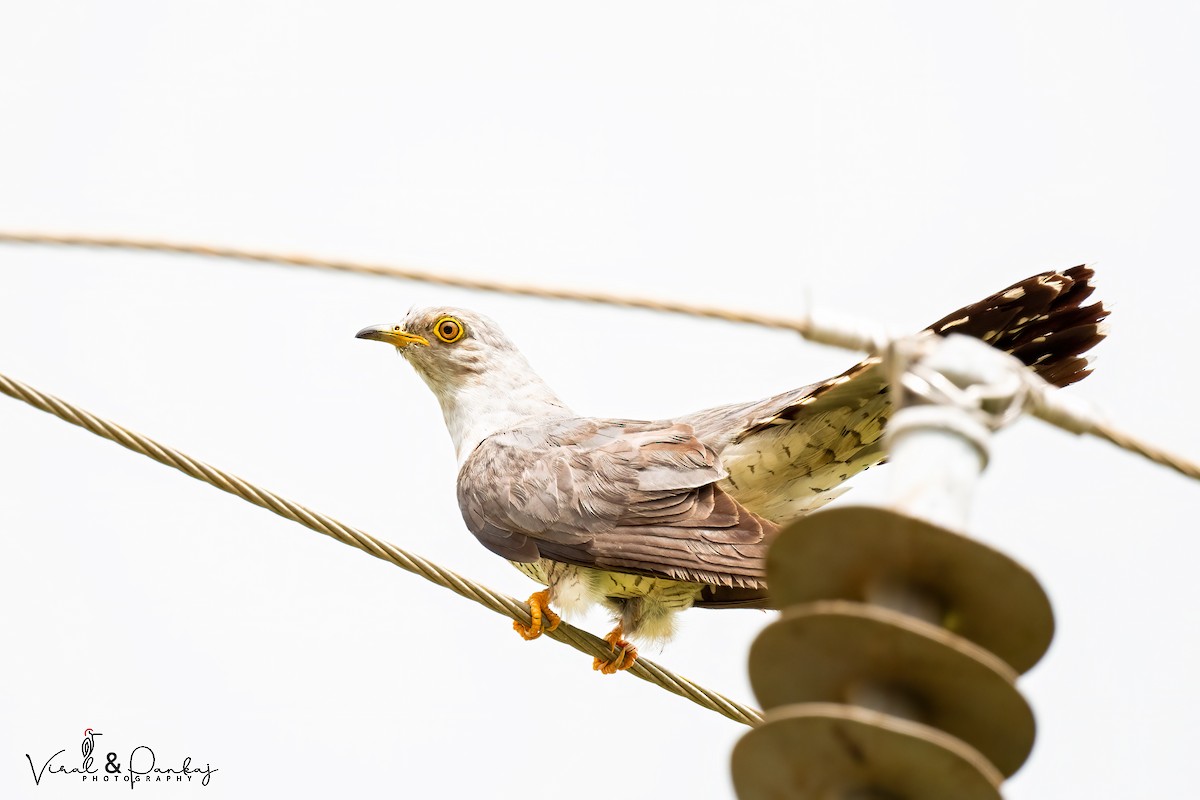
{"x": 858, "y": 336}
{"x": 1146, "y": 450}
{"x": 502, "y": 604}
{"x": 838, "y": 332}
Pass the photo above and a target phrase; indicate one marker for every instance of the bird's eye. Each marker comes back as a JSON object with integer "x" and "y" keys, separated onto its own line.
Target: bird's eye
{"x": 449, "y": 330}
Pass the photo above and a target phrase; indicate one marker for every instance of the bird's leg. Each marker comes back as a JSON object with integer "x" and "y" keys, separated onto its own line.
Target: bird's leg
{"x": 623, "y": 653}
{"x": 542, "y": 618}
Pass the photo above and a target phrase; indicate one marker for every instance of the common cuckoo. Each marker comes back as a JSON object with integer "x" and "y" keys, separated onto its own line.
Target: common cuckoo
{"x": 651, "y": 518}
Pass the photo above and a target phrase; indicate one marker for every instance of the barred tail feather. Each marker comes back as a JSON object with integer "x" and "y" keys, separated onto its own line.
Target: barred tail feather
{"x": 1041, "y": 320}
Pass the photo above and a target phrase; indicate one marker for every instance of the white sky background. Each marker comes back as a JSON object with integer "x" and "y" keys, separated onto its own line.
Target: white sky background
{"x": 896, "y": 160}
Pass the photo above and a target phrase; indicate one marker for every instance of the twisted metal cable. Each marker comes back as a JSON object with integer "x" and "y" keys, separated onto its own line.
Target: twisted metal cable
{"x": 1156, "y": 454}
{"x": 839, "y": 333}
{"x": 502, "y": 604}
{"x": 1076, "y": 415}
{"x": 850, "y": 334}
{"x": 405, "y": 273}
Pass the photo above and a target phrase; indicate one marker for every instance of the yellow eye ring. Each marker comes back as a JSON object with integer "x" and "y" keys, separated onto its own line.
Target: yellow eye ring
{"x": 449, "y": 330}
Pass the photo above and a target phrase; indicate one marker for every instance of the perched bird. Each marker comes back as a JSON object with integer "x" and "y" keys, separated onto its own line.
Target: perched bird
{"x": 651, "y": 518}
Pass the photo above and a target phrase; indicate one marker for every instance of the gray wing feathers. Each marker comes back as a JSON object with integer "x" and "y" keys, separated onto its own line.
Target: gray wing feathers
{"x": 626, "y": 496}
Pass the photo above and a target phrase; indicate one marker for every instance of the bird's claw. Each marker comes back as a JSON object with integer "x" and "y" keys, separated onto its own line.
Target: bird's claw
{"x": 541, "y": 617}
{"x": 623, "y": 654}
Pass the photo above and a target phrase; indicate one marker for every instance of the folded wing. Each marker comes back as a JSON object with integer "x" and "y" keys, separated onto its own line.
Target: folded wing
{"x": 624, "y": 496}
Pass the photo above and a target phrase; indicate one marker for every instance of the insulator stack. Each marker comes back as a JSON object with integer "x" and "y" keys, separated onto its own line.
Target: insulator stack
{"x": 891, "y": 672}
{"x": 893, "y": 666}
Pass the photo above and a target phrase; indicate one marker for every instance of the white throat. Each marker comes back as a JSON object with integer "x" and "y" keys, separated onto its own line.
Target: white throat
{"x": 508, "y": 394}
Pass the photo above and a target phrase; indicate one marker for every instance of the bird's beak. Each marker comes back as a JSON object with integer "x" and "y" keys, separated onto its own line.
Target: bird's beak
{"x": 392, "y": 334}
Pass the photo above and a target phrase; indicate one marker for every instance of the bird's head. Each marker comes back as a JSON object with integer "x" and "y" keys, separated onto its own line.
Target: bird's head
{"x": 449, "y": 347}
{"x": 481, "y": 380}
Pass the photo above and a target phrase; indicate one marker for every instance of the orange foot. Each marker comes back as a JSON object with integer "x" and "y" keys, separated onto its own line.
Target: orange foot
{"x": 623, "y": 653}
{"x": 543, "y": 618}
